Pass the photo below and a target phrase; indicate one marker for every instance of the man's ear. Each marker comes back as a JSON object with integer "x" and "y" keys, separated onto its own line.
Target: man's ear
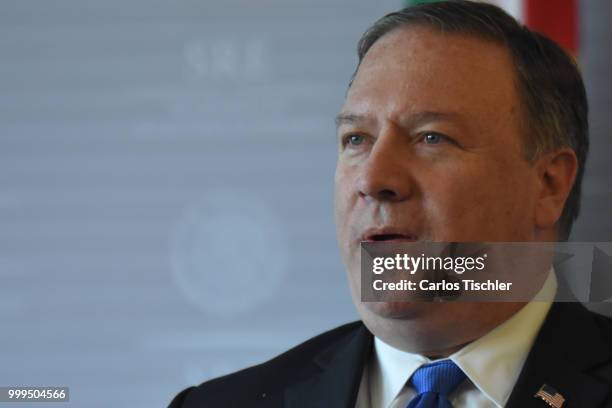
{"x": 557, "y": 173}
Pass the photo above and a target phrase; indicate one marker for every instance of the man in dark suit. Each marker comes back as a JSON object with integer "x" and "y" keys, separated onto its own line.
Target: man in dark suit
{"x": 459, "y": 125}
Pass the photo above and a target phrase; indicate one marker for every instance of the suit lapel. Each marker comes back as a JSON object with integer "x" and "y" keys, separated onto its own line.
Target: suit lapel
{"x": 334, "y": 377}
{"x": 568, "y": 345}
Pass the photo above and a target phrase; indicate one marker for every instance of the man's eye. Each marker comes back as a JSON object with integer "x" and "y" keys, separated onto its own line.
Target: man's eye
{"x": 433, "y": 138}
{"x": 354, "y": 140}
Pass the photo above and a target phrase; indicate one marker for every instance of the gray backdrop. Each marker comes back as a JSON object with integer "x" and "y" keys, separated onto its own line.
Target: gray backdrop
{"x": 159, "y": 157}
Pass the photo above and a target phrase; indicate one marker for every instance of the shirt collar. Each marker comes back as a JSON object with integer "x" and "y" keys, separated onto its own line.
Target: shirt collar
{"x": 391, "y": 368}
{"x": 493, "y": 362}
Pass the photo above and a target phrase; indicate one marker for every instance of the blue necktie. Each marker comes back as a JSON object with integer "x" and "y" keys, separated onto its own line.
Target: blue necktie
{"x": 434, "y": 382}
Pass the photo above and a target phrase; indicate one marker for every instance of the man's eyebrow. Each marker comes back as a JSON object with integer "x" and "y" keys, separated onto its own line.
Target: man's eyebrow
{"x": 349, "y": 118}
{"x": 414, "y": 119}
{"x": 430, "y": 116}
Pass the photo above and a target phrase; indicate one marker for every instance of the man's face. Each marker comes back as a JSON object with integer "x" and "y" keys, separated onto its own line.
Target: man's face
{"x": 431, "y": 147}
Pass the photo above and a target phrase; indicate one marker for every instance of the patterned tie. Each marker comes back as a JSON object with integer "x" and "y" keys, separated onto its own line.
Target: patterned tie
{"x": 434, "y": 382}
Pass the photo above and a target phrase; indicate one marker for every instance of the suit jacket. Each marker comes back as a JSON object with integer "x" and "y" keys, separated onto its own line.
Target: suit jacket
{"x": 572, "y": 353}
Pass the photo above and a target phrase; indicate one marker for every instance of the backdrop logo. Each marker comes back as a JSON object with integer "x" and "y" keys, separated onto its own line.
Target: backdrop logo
{"x": 218, "y": 253}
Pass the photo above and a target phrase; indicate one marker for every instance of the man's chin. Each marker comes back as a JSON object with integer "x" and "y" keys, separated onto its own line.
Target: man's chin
{"x": 397, "y": 310}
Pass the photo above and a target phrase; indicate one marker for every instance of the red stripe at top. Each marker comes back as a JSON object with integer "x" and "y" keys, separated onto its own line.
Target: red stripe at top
{"x": 557, "y": 19}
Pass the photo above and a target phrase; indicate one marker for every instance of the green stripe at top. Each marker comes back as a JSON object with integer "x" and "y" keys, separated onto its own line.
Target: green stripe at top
{"x": 408, "y": 3}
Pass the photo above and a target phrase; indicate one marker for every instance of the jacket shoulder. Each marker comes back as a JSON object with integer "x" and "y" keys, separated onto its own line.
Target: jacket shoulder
{"x": 604, "y": 323}
{"x": 266, "y": 380}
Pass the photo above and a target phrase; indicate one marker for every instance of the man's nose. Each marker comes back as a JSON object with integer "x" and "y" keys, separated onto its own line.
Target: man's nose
{"x": 385, "y": 175}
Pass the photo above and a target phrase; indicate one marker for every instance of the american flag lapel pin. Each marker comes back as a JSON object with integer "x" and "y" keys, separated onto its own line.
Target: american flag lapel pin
{"x": 549, "y": 395}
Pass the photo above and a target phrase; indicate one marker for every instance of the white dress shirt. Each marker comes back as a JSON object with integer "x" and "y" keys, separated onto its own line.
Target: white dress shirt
{"x": 492, "y": 363}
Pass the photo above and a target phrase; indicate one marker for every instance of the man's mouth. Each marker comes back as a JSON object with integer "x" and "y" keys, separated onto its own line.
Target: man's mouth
{"x": 389, "y": 237}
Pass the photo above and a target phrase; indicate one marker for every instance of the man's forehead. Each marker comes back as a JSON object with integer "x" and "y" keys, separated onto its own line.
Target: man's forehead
{"x": 406, "y": 119}
{"x": 419, "y": 70}
{"x": 432, "y": 55}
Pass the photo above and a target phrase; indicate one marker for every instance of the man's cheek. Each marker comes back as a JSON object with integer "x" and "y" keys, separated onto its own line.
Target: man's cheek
{"x": 342, "y": 198}
{"x": 342, "y": 213}
{"x": 452, "y": 212}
